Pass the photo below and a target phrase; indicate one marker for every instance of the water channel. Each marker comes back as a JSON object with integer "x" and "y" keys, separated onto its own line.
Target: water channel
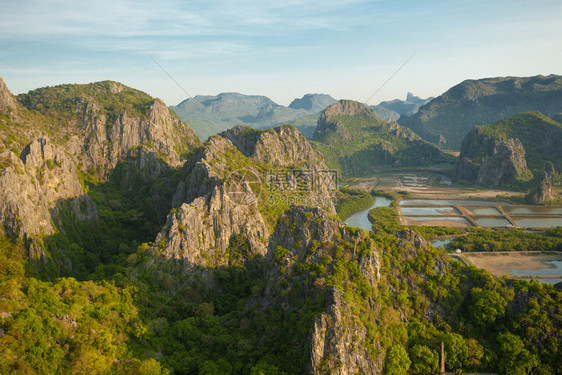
{"x": 361, "y": 219}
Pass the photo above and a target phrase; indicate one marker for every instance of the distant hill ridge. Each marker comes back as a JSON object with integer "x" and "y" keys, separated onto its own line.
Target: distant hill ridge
{"x": 448, "y": 118}
{"x": 209, "y": 115}
{"x": 356, "y": 141}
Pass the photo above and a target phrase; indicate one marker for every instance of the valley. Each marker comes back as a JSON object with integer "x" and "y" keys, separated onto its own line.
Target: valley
{"x": 429, "y": 198}
{"x": 128, "y": 245}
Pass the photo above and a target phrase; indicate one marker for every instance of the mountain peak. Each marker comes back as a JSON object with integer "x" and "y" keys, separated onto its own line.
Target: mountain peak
{"x": 417, "y": 100}
{"x": 347, "y": 108}
{"x": 312, "y": 102}
{"x": 7, "y": 100}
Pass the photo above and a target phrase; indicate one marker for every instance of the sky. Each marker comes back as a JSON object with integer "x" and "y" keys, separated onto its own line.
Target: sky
{"x": 281, "y": 49}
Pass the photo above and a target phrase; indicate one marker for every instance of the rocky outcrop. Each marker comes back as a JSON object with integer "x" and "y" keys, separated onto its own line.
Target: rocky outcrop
{"x": 307, "y": 235}
{"x": 292, "y": 159}
{"x": 199, "y": 233}
{"x": 208, "y": 170}
{"x": 507, "y": 162}
{"x": 108, "y": 139}
{"x": 298, "y": 228}
{"x": 32, "y": 186}
{"x": 99, "y": 123}
{"x": 328, "y": 121}
{"x": 335, "y": 347}
{"x": 220, "y": 196}
{"x": 543, "y": 193}
{"x": 211, "y": 208}
{"x": 282, "y": 146}
{"x": 490, "y": 160}
{"x": 8, "y": 103}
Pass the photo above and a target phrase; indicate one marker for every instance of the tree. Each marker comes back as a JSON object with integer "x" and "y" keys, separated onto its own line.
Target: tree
{"x": 397, "y": 361}
{"x": 475, "y": 353}
{"x": 456, "y": 351}
{"x": 263, "y": 368}
{"x": 424, "y": 360}
{"x": 514, "y": 359}
{"x": 487, "y": 306}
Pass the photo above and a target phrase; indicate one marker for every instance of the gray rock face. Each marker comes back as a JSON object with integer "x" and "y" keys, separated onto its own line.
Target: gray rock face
{"x": 7, "y": 101}
{"x": 282, "y": 146}
{"x": 31, "y": 188}
{"x": 206, "y": 172}
{"x": 209, "y": 211}
{"x": 108, "y": 139}
{"x": 491, "y": 160}
{"x": 335, "y": 343}
{"x": 299, "y": 227}
{"x": 285, "y": 147}
{"x": 543, "y": 193}
{"x": 506, "y": 162}
{"x": 199, "y": 233}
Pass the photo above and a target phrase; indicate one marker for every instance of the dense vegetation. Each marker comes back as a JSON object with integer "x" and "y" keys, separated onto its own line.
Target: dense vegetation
{"x": 63, "y": 101}
{"x": 66, "y": 326}
{"x": 483, "y": 239}
{"x": 105, "y": 302}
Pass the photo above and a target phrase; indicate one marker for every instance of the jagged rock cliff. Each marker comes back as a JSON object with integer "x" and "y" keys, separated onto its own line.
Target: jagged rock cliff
{"x": 282, "y": 146}
{"x": 32, "y": 185}
{"x": 543, "y": 192}
{"x": 103, "y": 121}
{"x": 8, "y": 103}
{"x": 334, "y": 343}
{"x": 504, "y": 161}
{"x": 511, "y": 150}
{"x": 199, "y": 233}
{"x": 51, "y": 137}
{"x": 233, "y": 186}
{"x": 32, "y": 188}
{"x": 306, "y": 236}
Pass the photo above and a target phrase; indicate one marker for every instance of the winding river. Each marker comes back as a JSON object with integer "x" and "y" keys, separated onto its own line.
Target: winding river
{"x": 361, "y": 219}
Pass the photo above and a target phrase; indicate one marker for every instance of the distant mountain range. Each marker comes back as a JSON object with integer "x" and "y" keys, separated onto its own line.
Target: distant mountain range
{"x": 209, "y": 115}
{"x": 393, "y": 110}
{"x": 447, "y": 119}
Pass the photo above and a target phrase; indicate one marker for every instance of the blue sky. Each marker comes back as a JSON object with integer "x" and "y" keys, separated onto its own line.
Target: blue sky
{"x": 281, "y": 49}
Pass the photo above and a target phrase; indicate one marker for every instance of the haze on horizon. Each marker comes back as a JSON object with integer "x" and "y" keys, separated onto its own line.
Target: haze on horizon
{"x": 282, "y": 50}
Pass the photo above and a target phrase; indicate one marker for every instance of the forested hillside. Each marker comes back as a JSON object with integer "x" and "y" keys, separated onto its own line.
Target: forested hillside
{"x": 157, "y": 254}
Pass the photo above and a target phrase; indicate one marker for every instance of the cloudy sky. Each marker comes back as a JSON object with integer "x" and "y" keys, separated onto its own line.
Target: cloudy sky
{"x": 281, "y": 49}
